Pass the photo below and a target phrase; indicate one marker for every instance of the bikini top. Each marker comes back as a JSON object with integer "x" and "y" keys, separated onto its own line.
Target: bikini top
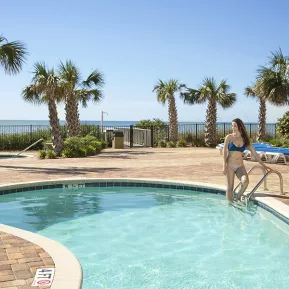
{"x": 232, "y": 147}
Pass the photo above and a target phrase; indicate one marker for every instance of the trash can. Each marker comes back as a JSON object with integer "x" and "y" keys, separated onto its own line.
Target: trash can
{"x": 117, "y": 141}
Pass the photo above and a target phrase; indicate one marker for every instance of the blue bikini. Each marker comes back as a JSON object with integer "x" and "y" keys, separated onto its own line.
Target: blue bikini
{"x": 233, "y": 148}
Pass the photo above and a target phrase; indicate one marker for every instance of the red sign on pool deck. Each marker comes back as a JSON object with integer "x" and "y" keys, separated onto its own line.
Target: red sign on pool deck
{"x": 43, "y": 277}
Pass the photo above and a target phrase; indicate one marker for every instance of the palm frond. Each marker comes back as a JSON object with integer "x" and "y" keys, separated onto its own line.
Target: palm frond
{"x": 274, "y": 85}
{"x": 167, "y": 89}
{"x": 85, "y": 95}
{"x": 30, "y": 94}
{"x": 69, "y": 74}
{"x": 95, "y": 78}
{"x": 277, "y": 60}
{"x": 192, "y": 96}
{"x": 12, "y": 55}
{"x": 226, "y": 100}
{"x": 249, "y": 91}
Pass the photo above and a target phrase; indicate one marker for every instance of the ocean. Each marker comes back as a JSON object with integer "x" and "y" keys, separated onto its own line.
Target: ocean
{"x": 29, "y": 126}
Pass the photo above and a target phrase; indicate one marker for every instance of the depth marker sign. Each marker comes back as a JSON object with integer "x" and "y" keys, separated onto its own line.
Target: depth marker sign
{"x": 43, "y": 277}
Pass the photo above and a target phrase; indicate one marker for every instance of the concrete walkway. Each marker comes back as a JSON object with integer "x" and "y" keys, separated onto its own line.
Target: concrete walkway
{"x": 189, "y": 164}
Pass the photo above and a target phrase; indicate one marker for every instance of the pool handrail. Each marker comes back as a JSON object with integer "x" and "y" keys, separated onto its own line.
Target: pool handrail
{"x": 263, "y": 180}
{"x": 41, "y": 139}
{"x": 249, "y": 171}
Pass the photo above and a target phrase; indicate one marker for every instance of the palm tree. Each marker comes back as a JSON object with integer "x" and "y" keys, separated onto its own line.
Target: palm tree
{"x": 214, "y": 94}
{"x": 254, "y": 91}
{"x": 274, "y": 80}
{"x": 12, "y": 55}
{"x": 166, "y": 92}
{"x": 77, "y": 90}
{"x": 45, "y": 89}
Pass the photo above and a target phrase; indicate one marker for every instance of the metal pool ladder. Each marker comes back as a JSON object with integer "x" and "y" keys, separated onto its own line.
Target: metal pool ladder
{"x": 29, "y": 147}
{"x": 263, "y": 179}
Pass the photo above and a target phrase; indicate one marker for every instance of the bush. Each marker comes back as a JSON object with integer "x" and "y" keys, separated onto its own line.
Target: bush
{"x": 162, "y": 144}
{"x": 171, "y": 144}
{"x": 42, "y": 154}
{"x": 102, "y": 144}
{"x": 51, "y": 154}
{"x": 160, "y": 129}
{"x": 81, "y": 146}
{"x": 182, "y": 143}
{"x": 146, "y": 123}
{"x": 188, "y": 137}
{"x": 283, "y": 125}
{"x": 280, "y": 143}
{"x": 90, "y": 151}
{"x": 68, "y": 153}
{"x": 20, "y": 141}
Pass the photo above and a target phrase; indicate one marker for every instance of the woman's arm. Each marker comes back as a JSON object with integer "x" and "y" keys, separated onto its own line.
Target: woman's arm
{"x": 257, "y": 157}
{"x": 225, "y": 151}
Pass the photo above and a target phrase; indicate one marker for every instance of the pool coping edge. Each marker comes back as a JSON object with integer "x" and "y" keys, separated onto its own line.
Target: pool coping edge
{"x": 68, "y": 270}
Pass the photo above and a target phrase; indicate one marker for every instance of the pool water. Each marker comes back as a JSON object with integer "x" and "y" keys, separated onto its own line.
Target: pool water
{"x": 10, "y": 156}
{"x": 140, "y": 238}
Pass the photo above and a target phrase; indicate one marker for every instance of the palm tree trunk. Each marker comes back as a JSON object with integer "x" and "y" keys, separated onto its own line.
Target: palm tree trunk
{"x": 68, "y": 116}
{"x": 76, "y": 121}
{"x": 57, "y": 140}
{"x": 211, "y": 123}
{"x": 173, "y": 119}
{"x": 262, "y": 120}
{"x": 72, "y": 115}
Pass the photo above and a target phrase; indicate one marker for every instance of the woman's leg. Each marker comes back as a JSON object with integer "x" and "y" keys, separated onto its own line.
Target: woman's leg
{"x": 243, "y": 177}
{"x": 230, "y": 184}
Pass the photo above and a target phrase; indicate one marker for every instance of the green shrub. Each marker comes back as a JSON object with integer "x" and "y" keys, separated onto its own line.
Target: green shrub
{"x": 42, "y": 154}
{"x": 182, "y": 143}
{"x": 146, "y": 123}
{"x": 81, "y": 146}
{"x": 90, "y": 140}
{"x": 103, "y": 144}
{"x": 90, "y": 150}
{"x": 160, "y": 129}
{"x": 162, "y": 144}
{"x": 92, "y": 130}
{"x": 188, "y": 137}
{"x": 283, "y": 125}
{"x": 97, "y": 148}
{"x": 82, "y": 152}
{"x": 51, "y": 154}
{"x": 171, "y": 144}
{"x": 280, "y": 143}
{"x": 68, "y": 153}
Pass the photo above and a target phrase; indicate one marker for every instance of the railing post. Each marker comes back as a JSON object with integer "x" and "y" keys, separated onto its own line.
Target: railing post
{"x": 250, "y": 130}
{"x": 196, "y": 134}
{"x": 152, "y": 136}
{"x": 131, "y": 136}
{"x": 275, "y": 130}
{"x": 224, "y": 131}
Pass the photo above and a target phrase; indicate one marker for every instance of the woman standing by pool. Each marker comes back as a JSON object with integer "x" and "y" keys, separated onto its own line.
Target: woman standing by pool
{"x": 234, "y": 146}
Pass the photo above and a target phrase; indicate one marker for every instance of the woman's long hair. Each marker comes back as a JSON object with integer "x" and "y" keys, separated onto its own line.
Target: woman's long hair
{"x": 243, "y": 131}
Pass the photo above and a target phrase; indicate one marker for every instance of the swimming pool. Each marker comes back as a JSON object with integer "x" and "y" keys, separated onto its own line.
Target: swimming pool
{"x": 130, "y": 237}
{"x": 2, "y": 156}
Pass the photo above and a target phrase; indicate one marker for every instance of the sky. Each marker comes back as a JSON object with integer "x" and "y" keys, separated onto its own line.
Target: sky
{"x": 135, "y": 43}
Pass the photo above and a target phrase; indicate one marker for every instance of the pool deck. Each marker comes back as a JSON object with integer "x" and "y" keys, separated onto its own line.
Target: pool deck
{"x": 19, "y": 260}
{"x": 182, "y": 164}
